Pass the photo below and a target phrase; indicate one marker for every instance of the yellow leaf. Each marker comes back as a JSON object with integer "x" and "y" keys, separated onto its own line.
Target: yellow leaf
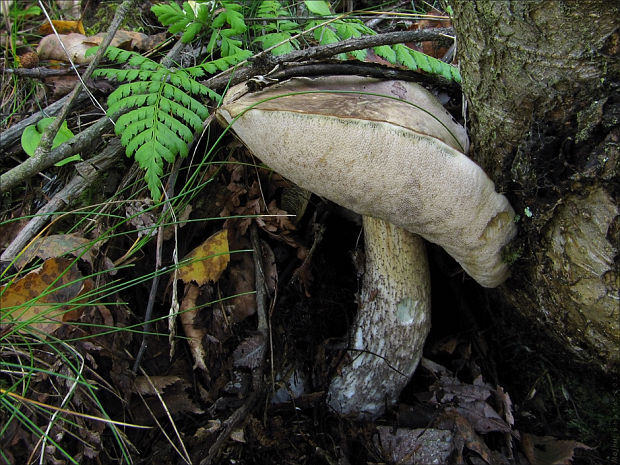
{"x": 62, "y": 27}
{"x": 208, "y": 261}
{"x": 36, "y": 300}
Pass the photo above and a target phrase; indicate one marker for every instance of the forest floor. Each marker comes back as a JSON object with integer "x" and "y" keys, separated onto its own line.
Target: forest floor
{"x": 492, "y": 387}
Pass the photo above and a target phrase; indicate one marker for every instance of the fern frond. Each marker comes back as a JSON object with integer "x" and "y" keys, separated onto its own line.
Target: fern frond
{"x": 163, "y": 111}
{"x": 387, "y": 52}
{"x": 221, "y": 64}
{"x": 231, "y": 15}
{"x": 168, "y": 13}
{"x": 415, "y": 60}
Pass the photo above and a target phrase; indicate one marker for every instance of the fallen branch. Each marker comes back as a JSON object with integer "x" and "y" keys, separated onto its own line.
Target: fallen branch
{"x": 87, "y": 173}
{"x": 33, "y": 165}
{"x": 264, "y": 63}
{"x": 11, "y": 136}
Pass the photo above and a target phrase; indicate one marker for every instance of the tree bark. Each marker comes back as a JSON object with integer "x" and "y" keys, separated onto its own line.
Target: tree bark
{"x": 542, "y": 82}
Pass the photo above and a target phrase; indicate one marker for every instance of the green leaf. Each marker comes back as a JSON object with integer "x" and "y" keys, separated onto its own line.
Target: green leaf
{"x": 190, "y": 33}
{"x": 231, "y": 16}
{"x": 269, "y": 40}
{"x": 168, "y": 14}
{"x": 320, "y": 8}
{"x": 31, "y": 138}
{"x": 385, "y": 51}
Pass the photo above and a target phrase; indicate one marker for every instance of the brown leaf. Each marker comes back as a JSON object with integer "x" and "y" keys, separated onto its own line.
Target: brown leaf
{"x": 39, "y": 296}
{"x": 547, "y": 450}
{"x": 193, "y": 331}
{"x": 415, "y": 446}
{"x": 483, "y": 417}
{"x": 50, "y": 48}
{"x": 173, "y": 391}
{"x": 62, "y": 27}
{"x": 130, "y": 40}
{"x": 57, "y": 245}
{"x": 464, "y": 434}
{"x": 241, "y": 276}
{"x": 60, "y": 85}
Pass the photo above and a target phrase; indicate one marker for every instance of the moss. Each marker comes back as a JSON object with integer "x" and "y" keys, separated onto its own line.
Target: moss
{"x": 510, "y": 254}
{"x": 99, "y": 17}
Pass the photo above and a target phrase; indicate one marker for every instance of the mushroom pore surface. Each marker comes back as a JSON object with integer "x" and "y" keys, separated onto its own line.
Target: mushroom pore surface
{"x": 398, "y": 160}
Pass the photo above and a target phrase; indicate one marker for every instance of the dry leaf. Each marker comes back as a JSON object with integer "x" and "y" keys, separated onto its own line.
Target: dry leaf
{"x": 463, "y": 435}
{"x": 57, "y": 245}
{"x": 173, "y": 391}
{"x": 206, "y": 262}
{"x": 142, "y": 385}
{"x": 250, "y": 352}
{"x": 415, "y": 446}
{"x": 547, "y": 450}
{"x": 62, "y": 27}
{"x": 58, "y": 275}
{"x": 130, "y": 40}
{"x": 238, "y": 435}
{"x": 75, "y": 44}
{"x": 60, "y": 86}
{"x": 192, "y": 331}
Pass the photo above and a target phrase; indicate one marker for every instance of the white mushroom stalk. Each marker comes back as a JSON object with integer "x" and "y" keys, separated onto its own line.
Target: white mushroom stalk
{"x": 389, "y": 151}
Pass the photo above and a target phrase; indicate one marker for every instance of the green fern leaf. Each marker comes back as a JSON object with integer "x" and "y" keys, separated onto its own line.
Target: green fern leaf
{"x": 191, "y": 32}
{"x": 230, "y": 15}
{"x": 221, "y": 64}
{"x": 168, "y": 14}
{"x": 414, "y": 60}
{"x": 274, "y": 38}
{"x": 164, "y": 113}
{"x": 320, "y": 8}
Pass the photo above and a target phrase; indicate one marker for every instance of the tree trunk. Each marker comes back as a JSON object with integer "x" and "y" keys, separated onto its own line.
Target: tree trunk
{"x": 543, "y": 89}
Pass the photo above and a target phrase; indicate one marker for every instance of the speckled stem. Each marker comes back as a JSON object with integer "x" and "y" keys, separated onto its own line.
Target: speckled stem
{"x": 391, "y": 325}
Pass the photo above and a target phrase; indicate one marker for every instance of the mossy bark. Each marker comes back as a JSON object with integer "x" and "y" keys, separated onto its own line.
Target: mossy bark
{"x": 542, "y": 81}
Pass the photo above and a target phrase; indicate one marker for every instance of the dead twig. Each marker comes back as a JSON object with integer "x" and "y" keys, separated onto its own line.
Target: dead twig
{"x": 264, "y": 63}
{"x": 88, "y": 171}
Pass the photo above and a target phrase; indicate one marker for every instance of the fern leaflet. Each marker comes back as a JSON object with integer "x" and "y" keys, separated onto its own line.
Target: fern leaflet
{"x": 343, "y": 29}
{"x": 165, "y": 111}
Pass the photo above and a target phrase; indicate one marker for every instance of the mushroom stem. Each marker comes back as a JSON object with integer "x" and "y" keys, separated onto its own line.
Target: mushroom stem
{"x": 391, "y": 325}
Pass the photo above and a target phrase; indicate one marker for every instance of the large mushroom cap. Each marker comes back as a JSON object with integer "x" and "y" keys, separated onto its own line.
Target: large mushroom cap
{"x": 385, "y": 149}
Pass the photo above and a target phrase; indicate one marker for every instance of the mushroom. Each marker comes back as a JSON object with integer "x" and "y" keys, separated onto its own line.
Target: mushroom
{"x": 389, "y": 151}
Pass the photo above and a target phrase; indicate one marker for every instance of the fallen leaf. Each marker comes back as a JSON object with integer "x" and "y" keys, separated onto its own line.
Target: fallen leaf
{"x": 547, "y": 450}
{"x": 238, "y": 435}
{"x": 62, "y": 27}
{"x": 193, "y": 332}
{"x": 206, "y": 262}
{"x": 60, "y": 86}
{"x": 75, "y": 46}
{"x": 464, "y": 435}
{"x": 173, "y": 392}
{"x": 130, "y": 40}
{"x": 57, "y": 245}
{"x": 39, "y": 297}
{"x": 249, "y": 353}
{"x": 405, "y": 446}
{"x": 141, "y": 214}
{"x": 142, "y": 385}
